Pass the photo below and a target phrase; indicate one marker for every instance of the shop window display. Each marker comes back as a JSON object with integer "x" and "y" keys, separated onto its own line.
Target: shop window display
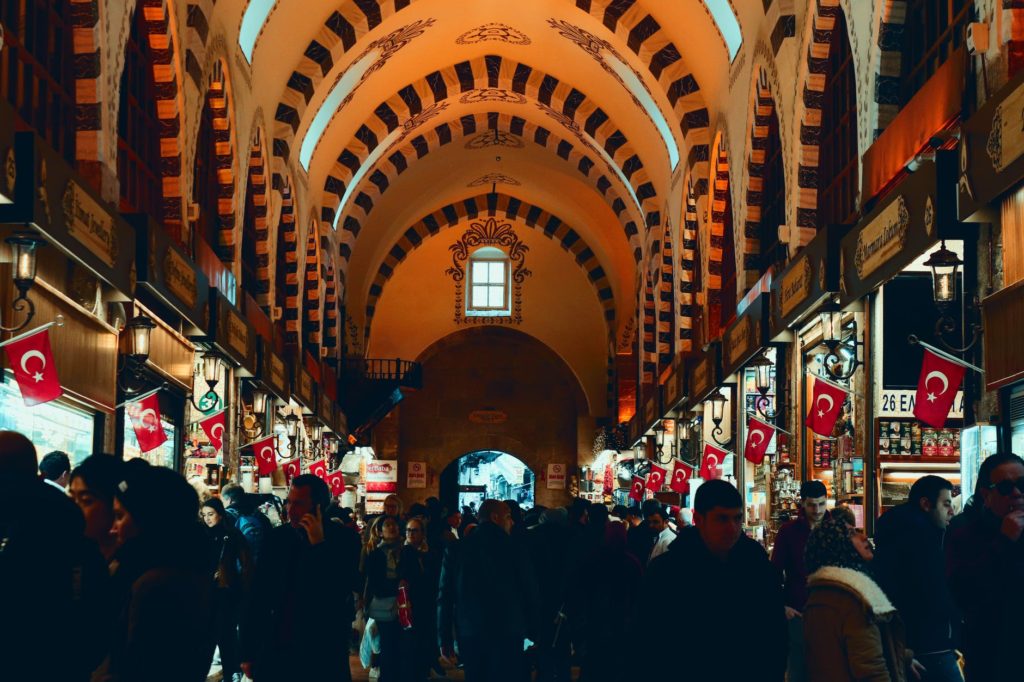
{"x": 51, "y": 426}
{"x": 162, "y": 456}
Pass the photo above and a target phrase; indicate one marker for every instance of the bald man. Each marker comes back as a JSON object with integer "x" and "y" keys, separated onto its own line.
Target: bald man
{"x": 488, "y": 600}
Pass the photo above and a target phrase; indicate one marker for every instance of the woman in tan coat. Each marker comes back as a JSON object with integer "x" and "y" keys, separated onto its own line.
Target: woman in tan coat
{"x": 852, "y": 631}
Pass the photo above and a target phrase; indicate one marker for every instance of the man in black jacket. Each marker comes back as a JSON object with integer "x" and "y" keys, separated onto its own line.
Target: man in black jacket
{"x": 722, "y": 577}
{"x": 297, "y": 622}
{"x": 910, "y": 566}
{"x": 488, "y": 598}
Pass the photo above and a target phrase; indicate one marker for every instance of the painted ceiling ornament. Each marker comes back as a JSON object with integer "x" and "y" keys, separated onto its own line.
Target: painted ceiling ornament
{"x": 414, "y": 122}
{"x": 495, "y": 138}
{"x": 494, "y": 179}
{"x": 385, "y": 48}
{"x": 491, "y": 95}
{"x": 596, "y": 48}
{"x": 493, "y": 32}
{"x": 500, "y": 235}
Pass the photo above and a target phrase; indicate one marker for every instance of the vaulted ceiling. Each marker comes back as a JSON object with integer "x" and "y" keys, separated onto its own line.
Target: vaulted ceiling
{"x": 390, "y": 110}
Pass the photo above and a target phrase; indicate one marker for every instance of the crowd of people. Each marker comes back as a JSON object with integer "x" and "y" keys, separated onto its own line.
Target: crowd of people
{"x": 121, "y": 572}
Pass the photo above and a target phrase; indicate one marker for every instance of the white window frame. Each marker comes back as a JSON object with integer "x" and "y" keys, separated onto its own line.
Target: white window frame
{"x": 489, "y": 255}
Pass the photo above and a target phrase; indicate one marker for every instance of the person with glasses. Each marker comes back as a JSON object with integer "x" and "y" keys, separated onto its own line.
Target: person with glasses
{"x": 985, "y": 566}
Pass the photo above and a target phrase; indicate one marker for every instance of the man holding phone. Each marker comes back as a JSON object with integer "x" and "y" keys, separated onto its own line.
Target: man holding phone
{"x": 295, "y": 628}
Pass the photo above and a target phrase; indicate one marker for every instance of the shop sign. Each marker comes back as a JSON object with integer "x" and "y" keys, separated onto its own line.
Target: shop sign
{"x": 739, "y": 338}
{"x": 808, "y": 278}
{"x": 238, "y": 333}
{"x": 900, "y": 404}
{"x": 702, "y": 376}
{"x": 907, "y": 223}
{"x": 381, "y": 476}
{"x": 304, "y": 384}
{"x": 180, "y": 278}
{"x": 416, "y": 475}
{"x": 8, "y": 164}
{"x": 672, "y": 389}
{"x": 650, "y": 410}
{"x": 795, "y": 286}
{"x": 278, "y": 373}
{"x": 992, "y": 149}
{"x": 89, "y": 223}
{"x": 556, "y": 476}
{"x": 326, "y": 409}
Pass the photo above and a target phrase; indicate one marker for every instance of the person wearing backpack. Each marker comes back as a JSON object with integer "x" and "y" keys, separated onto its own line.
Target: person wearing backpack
{"x": 248, "y": 519}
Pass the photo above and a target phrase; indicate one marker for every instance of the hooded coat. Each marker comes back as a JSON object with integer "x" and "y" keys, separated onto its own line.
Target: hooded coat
{"x": 851, "y": 629}
{"x": 742, "y": 594}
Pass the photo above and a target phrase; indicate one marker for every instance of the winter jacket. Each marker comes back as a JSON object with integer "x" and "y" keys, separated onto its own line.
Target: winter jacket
{"x": 487, "y": 588}
{"x": 253, "y": 525}
{"x": 688, "y": 579}
{"x": 788, "y": 558}
{"x": 986, "y": 572}
{"x": 852, "y": 632}
{"x": 910, "y": 566}
{"x": 230, "y": 560}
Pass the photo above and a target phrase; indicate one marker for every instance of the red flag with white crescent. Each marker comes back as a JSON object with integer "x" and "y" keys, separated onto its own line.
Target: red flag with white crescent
{"x": 337, "y": 482}
{"x": 636, "y": 489}
{"x": 319, "y": 468}
{"x": 266, "y": 456}
{"x": 145, "y": 418}
{"x": 759, "y": 435}
{"x": 291, "y": 470}
{"x": 936, "y": 389}
{"x": 213, "y": 426}
{"x": 826, "y": 406}
{"x": 681, "y": 477}
{"x": 31, "y": 360}
{"x": 656, "y": 478}
{"x": 711, "y": 463}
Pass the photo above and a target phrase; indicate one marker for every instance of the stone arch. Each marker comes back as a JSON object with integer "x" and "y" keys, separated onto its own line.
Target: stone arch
{"x": 328, "y": 274}
{"x": 89, "y": 130}
{"x": 748, "y": 247}
{"x": 507, "y": 130}
{"x": 511, "y": 208}
{"x": 822, "y": 24}
{"x": 687, "y": 279}
{"x": 717, "y": 246}
{"x": 312, "y": 310}
{"x": 254, "y": 217}
{"x": 664, "y": 279}
{"x": 197, "y": 36}
{"x": 218, "y": 98}
{"x": 649, "y": 347}
{"x": 489, "y": 78}
{"x": 286, "y": 280}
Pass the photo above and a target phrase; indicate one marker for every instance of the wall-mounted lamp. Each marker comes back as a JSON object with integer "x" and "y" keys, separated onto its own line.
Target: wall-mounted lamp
{"x": 944, "y": 265}
{"x": 763, "y": 370}
{"x": 23, "y": 245}
{"x": 137, "y": 334}
{"x": 211, "y": 374}
{"x": 293, "y": 424}
{"x": 659, "y": 441}
{"x": 718, "y": 402}
{"x": 843, "y": 356}
{"x": 252, "y": 423}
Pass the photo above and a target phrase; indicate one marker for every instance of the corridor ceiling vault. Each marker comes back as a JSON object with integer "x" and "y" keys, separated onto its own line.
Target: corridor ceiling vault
{"x": 397, "y": 118}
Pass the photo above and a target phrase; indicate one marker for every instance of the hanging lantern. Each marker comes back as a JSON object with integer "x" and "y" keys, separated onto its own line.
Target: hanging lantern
{"x": 944, "y": 264}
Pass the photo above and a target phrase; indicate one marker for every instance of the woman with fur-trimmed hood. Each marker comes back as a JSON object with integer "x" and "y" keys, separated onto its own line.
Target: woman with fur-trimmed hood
{"x": 852, "y": 631}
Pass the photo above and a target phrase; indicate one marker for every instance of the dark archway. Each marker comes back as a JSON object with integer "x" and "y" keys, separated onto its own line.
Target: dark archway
{"x": 486, "y": 474}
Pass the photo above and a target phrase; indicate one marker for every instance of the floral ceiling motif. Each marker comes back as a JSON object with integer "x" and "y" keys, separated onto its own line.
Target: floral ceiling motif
{"x": 494, "y": 179}
{"x": 500, "y": 235}
{"x": 493, "y": 32}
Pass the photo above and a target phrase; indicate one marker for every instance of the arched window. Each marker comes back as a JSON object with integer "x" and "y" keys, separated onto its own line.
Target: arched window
{"x": 138, "y": 128}
{"x": 489, "y": 276}
{"x": 934, "y": 29}
{"x": 36, "y": 68}
{"x": 773, "y": 198}
{"x": 837, "y": 165}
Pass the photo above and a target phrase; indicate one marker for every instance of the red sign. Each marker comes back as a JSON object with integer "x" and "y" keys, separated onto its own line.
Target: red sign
{"x": 381, "y": 487}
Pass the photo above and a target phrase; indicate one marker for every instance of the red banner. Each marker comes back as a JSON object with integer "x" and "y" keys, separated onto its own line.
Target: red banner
{"x": 319, "y": 468}
{"x": 381, "y": 487}
{"x": 711, "y": 463}
{"x": 681, "y": 477}
{"x": 213, "y": 426}
{"x": 936, "y": 389}
{"x": 291, "y": 470}
{"x": 636, "y": 489}
{"x": 337, "y": 482}
{"x": 759, "y": 435}
{"x": 656, "y": 478}
{"x": 31, "y": 360}
{"x": 266, "y": 457}
{"x": 145, "y": 418}
{"x": 826, "y": 406}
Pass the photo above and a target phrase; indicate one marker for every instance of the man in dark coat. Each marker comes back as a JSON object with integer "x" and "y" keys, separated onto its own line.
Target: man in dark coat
{"x": 488, "y": 596}
{"x": 247, "y": 518}
{"x": 699, "y": 575}
{"x": 985, "y": 565}
{"x": 910, "y": 566}
{"x": 548, "y": 543}
{"x": 297, "y": 622}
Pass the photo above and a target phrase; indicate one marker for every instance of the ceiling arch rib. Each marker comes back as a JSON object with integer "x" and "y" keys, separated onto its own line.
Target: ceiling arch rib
{"x": 483, "y": 130}
{"x": 415, "y": 104}
{"x": 512, "y": 208}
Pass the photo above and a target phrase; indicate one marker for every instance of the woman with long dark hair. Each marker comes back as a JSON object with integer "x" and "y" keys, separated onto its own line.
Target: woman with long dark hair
{"x": 383, "y": 575}
{"x": 231, "y": 572}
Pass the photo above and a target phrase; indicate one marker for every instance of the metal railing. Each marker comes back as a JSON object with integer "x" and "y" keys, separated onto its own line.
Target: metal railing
{"x": 404, "y": 372}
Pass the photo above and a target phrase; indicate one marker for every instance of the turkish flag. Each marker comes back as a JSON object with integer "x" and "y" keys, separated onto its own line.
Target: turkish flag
{"x": 826, "y": 406}
{"x": 337, "y": 482}
{"x": 214, "y": 428}
{"x": 759, "y": 435}
{"x": 319, "y": 468}
{"x": 936, "y": 389}
{"x": 266, "y": 457}
{"x": 711, "y": 462}
{"x": 32, "y": 362}
{"x": 656, "y": 478}
{"x": 145, "y": 417}
{"x": 636, "y": 489}
{"x": 681, "y": 477}
{"x": 291, "y": 470}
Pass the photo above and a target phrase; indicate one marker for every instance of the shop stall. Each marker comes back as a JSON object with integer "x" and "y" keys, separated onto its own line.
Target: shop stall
{"x": 712, "y": 421}
{"x": 70, "y": 257}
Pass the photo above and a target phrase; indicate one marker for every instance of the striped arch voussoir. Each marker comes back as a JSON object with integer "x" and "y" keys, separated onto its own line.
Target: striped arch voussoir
{"x": 257, "y": 189}
{"x": 288, "y": 238}
{"x": 312, "y": 313}
{"x": 711, "y": 261}
{"x": 512, "y": 208}
{"x": 218, "y": 98}
{"x": 764, "y": 109}
{"x": 197, "y": 36}
{"x": 687, "y": 283}
{"x": 666, "y": 296}
{"x": 85, "y": 22}
{"x": 330, "y": 324}
{"x": 649, "y": 349}
{"x": 890, "y": 63}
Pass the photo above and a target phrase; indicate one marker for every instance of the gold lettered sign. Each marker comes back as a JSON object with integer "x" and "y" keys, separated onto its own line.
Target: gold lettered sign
{"x": 238, "y": 333}
{"x": 88, "y": 223}
{"x": 739, "y": 338}
{"x": 180, "y": 278}
{"x": 882, "y": 238}
{"x": 305, "y": 387}
{"x": 278, "y": 374}
{"x": 796, "y": 286}
{"x": 702, "y": 375}
{"x": 1006, "y": 138}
